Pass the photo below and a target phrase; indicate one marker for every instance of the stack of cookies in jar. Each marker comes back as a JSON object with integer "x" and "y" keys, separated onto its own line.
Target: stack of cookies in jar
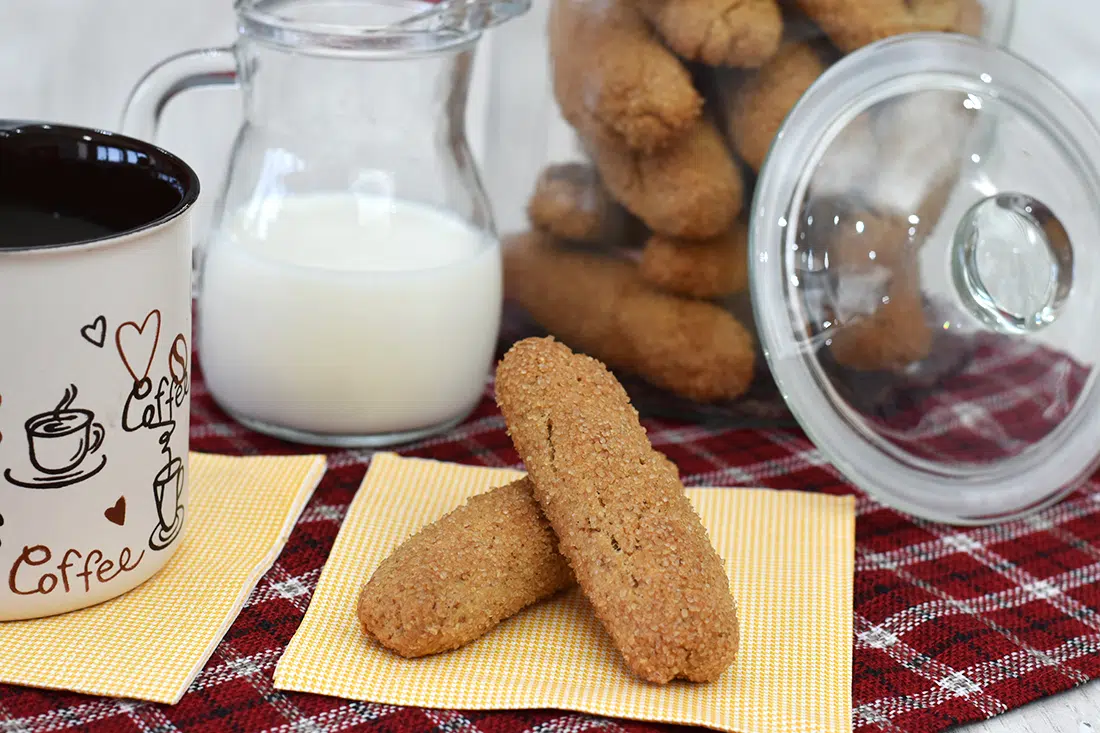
{"x": 638, "y": 255}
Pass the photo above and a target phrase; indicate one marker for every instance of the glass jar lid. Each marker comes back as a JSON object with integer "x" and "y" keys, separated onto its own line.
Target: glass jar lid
{"x": 924, "y": 250}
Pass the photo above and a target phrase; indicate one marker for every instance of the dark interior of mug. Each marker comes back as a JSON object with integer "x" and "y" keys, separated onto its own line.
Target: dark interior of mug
{"x": 65, "y": 185}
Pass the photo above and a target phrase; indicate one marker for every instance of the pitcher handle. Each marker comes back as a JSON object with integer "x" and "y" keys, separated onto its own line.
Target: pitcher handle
{"x": 189, "y": 70}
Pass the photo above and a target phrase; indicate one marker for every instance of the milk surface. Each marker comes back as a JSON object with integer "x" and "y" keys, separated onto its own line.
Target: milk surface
{"x": 341, "y": 314}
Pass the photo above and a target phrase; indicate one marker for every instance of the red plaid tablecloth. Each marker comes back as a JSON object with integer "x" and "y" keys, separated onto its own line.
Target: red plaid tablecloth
{"x": 950, "y": 625}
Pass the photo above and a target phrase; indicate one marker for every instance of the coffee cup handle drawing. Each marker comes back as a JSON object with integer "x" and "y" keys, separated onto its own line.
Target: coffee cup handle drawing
{"x": 60, "y": 443}
{"x": 98, "y": 433}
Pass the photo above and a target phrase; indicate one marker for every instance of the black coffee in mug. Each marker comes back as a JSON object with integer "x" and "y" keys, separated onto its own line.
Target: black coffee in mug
{"x": 61, "y": 185}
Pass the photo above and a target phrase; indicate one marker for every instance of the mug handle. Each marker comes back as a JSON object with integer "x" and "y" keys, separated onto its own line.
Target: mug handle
{"x": 97, "y": 437}
{"x": 207, "y": 67}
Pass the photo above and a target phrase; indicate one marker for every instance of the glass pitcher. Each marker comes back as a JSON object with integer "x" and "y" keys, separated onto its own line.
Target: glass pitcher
{"x": 350, "y": 290}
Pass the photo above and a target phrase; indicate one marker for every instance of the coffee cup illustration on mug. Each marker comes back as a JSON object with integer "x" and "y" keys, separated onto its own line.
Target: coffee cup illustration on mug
{"x": 64, "y": 445}
{"x": 168, "y": 481}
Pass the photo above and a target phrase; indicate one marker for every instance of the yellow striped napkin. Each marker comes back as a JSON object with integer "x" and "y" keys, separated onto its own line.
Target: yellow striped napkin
{"x": 150, "y": 643}
{"x": 790, "y": 560}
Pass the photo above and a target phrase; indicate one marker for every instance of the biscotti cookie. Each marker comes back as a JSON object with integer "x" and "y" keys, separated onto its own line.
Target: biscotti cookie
{"x": 601, "y": 305}
{"x": 571, "y": 203}
{"x": 638, "y": 549}
{"x": 613, "y": 78}
{"x": 456, "y": 579}
{"x": 708, "y": 268}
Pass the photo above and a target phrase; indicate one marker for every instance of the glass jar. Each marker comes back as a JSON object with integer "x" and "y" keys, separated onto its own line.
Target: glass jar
{"x": 878, "y": 226}
{"x": 560, "y": 130}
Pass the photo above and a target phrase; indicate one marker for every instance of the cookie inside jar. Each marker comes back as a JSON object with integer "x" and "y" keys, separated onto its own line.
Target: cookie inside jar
{"x": 657, "y": 118}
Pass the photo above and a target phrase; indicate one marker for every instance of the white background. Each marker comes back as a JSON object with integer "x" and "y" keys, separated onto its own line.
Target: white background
{"x": 74, "y": 61}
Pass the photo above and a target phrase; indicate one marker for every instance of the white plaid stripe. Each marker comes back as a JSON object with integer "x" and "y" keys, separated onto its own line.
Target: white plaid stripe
{"x": 60, "y": 719}
{"x": 318, "y": 512}
{"x": 981, "y": 675}
{"x": 906, "y": 621}
{"x": 450, "y": 721}
{"x": 951, "y": 602}
{"x": 290, "y": 587}
{"x": 213, "y": 428}
{"x": 147, "y": 717}
{"x": 935, "y": 549}
{"x": 1022, "y": 661}
{"x": 576, "y": 723}
{"x": 465, "y": 434}
{"x": 12, "y": 725}
{"x": 970, "y": 683}
{"x": 1008, "y": 352}
{"x": 945, "y": 680}
{"x": 228, "y": 670}
{"x": 802, "y": 455}
{"x": 1064, "y": 603}
{"x": 278, "y": 583}
{"x": 688, "y": 439}
{"x": 682, "y": 434}
{"x": 1060, "y": 393}
{"x": 1072, "y": 540}
{"x": 348, "y": 458}
{"x": 868, "y": 715}
{"x": 970, "y": 417}
{"x": 339, "y": 718}
{"x": 261, "y": 682}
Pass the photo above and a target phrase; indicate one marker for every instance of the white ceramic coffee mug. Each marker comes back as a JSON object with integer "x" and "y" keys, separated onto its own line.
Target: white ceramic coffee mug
{"x": 95, "y": 331}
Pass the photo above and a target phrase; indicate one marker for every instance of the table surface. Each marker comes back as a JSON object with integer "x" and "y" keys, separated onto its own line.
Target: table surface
{"x": 1076, "y": 711}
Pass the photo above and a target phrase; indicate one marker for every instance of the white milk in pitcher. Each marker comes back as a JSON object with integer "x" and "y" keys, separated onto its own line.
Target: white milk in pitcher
{"x": 347, "y": 316}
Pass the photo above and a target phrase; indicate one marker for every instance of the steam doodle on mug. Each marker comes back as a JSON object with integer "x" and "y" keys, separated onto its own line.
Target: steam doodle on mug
{"x": 95, "y": 333}
{"x": 154, "y": 409}
{"x": 1, "y": 525}
{"x": 62, "y": 444}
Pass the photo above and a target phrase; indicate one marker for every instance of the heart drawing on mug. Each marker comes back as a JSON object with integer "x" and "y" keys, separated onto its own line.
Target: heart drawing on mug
{"x": 95, "y": 333}
{"x": 138, "y": 344}
{"x": 117, "y": 513}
